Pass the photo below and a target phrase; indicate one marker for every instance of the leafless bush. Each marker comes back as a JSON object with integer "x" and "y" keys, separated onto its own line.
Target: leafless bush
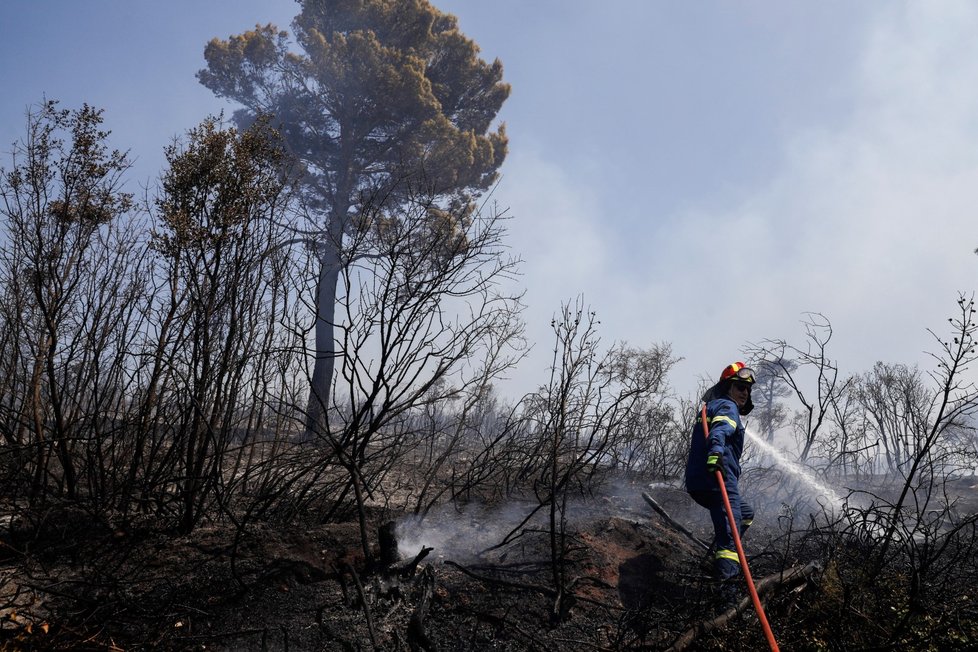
{"x": 138, "y": 376}
{"x": 907, "y": 538}
{"x": 225, "y": 270}
{"x": 422, "y": 324}
{"x": 793, "y": 365}
{"x": 69, "y": 288}
{"x": 569, "y": 437}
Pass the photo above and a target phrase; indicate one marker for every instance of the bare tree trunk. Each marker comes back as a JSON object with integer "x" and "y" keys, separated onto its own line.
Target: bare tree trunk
{"x": 38, "y": 420}
{"x": 322, "y": 372}
{"x": 330, "y": 260}
{"x": 356, "y": 481}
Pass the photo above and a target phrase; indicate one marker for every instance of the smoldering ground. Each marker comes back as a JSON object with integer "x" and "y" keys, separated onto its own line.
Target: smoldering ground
{"x": 476, "y": 532}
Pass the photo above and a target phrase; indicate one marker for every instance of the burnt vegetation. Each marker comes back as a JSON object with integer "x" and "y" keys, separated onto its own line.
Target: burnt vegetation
{"x": 161, "y": 487}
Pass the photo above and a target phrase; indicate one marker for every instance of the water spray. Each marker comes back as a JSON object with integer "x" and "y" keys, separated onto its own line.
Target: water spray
{"x": 799, "y": 472}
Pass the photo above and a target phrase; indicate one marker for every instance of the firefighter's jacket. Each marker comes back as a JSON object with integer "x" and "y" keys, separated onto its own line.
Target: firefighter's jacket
{"x": 726, "y": 439}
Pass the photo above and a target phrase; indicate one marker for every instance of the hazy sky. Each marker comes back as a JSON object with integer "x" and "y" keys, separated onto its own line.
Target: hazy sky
{"x": 702, "y": 173}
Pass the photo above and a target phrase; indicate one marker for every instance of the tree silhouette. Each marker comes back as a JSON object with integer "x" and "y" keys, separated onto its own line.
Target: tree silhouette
{"x": 770, "y": 386}
{"x": 386, "y": 99}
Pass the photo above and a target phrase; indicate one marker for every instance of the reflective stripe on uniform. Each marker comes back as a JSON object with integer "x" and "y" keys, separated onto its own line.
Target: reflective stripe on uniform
{"x": 747, "y": 522}
{"x": 720, "y": 417}
{"x": 727, "y": 554}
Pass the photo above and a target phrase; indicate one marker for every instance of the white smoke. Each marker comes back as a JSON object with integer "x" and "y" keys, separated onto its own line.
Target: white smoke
{"x": 461, "y": 534}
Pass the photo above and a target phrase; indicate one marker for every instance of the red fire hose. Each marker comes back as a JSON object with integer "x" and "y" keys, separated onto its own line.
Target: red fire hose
{"x": 768, "y": 634}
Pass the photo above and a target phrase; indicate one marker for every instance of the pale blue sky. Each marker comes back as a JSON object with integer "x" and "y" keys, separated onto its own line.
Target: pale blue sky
{"x": 702, "y": 172}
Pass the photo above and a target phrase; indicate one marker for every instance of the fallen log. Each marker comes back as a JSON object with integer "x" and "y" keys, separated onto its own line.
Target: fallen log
{"x": 782, "y": 580}
{"x": 672, "y": 522}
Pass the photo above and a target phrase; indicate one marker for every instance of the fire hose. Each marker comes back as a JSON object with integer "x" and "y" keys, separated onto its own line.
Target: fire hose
{"x": 758, "y": 607}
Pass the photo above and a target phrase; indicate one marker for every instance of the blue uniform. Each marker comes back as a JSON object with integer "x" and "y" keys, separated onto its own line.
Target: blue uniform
{"x": 727, "y": 441}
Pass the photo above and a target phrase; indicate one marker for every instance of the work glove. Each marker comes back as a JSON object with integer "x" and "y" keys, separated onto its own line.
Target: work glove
{"x": 714, "y": 462}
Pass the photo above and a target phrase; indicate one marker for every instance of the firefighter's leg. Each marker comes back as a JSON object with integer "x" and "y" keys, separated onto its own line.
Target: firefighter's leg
{"x": 727, "y": 562}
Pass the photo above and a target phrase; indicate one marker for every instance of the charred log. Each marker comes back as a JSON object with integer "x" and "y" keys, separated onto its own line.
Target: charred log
{"x": 776, "y": 581}
{"x": 673, "y": 523}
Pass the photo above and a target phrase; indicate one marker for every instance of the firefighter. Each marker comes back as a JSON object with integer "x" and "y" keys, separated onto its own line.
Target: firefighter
{"x": 726, "y": 402}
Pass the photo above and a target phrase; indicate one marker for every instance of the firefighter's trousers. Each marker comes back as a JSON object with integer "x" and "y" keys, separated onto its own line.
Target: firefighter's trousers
{"x": 725, "y": 559}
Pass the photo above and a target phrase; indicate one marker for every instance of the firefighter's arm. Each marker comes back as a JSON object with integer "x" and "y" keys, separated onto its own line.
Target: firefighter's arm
{"x": 723, "y": 423}
{"x": 714, "y": 462}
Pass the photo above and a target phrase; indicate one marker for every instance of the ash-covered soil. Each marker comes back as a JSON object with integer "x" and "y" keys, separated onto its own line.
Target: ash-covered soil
{"x": 631, "y": 581}
{"x": 71, "y": 581}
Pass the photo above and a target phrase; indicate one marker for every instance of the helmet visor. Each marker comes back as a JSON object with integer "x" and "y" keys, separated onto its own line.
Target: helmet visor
{"x": 744, "y": 375}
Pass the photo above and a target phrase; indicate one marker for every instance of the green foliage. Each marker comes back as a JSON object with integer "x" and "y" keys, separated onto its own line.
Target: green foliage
{"x": 215, "y": 185}
{"x": 383, "y": 103}
{"x": 66, "y": 171}
{"x": 383, "y": 92}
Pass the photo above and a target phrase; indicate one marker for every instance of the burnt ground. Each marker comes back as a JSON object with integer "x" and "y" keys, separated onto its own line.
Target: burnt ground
{"x": 73, "y": 582}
